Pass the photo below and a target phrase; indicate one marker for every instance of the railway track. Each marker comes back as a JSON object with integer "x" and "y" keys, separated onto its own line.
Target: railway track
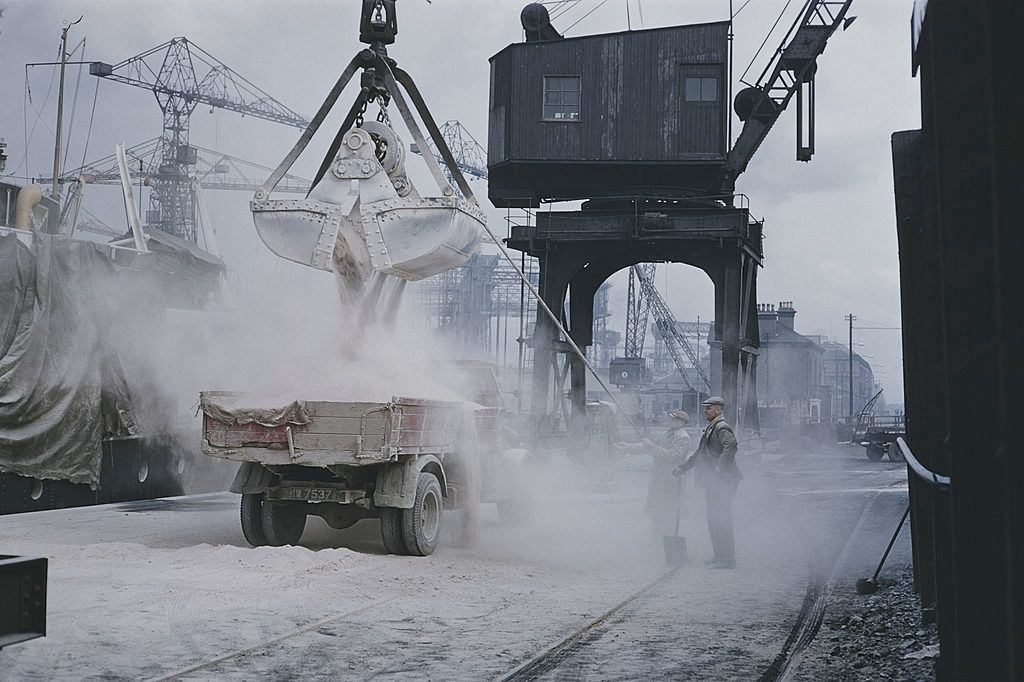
{"x": 803, "y": 632}
{"x": 205, "y": 665}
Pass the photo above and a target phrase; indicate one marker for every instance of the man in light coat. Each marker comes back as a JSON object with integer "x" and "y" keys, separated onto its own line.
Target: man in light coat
{"x": 714, "y": 463}
{"x": 663, "y": 489}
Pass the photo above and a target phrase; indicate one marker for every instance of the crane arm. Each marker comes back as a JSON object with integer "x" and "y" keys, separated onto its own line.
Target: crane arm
{"x": 676, "y": 343}
{"x": 792, "y": 67}
{"x": 170, "y": 70}
{"x": 214, "y": 169}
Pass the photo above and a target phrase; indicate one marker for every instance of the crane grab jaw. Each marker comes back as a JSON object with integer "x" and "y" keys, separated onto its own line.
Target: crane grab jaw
{"x": 363, "y": 214}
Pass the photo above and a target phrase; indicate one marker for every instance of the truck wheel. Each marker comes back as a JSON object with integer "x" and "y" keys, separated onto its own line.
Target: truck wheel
{"x": 252, "y": 519}
{"x": 391, "y": 531}
{"x": 875, "y": 452}
{"x": 283, "y": 523}
{"x": 421, "y": 525}
{"x": 894, "y": 452}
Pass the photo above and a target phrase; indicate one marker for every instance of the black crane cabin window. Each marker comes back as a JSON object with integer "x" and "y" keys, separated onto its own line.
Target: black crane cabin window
{"x": 561, "y": 98}
{"x": 700, "y": 89}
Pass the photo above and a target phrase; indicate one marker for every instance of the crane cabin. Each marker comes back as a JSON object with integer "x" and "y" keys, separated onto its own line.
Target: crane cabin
{"x": 620, "y": 114}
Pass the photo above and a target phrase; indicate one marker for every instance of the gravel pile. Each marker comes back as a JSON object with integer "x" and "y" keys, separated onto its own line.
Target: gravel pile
{"x": 876, "y": 637}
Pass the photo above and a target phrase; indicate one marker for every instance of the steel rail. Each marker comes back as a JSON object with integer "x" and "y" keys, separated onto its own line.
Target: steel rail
{"x": 181, "y": 672}
{"x": 551, "y": 657}
{"x": 924, "y": 473}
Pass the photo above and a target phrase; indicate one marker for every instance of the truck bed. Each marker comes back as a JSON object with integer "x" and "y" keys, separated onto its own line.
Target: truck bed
{"x": 327, "y": 433}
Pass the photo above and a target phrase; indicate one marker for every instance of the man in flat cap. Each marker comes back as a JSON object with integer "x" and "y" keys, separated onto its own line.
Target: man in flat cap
{"x": 716, "y": 471}
{"x": 663, "y": 489}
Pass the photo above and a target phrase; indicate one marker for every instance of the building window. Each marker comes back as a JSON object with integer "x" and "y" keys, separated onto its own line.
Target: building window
{"x": 702, "y": 89}
{"x": 561, "y": 98}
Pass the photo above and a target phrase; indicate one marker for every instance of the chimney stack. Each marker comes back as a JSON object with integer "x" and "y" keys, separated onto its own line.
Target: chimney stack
{"x": 786, "y": 314}
{"x": 766, "y": 319}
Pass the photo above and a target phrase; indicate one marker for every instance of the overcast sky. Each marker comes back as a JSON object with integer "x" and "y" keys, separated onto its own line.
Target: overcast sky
{"x": 830, "y": 240}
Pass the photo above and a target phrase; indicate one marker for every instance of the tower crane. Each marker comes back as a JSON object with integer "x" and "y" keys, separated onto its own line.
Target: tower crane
{"x": 182, "y": 75}
{"x": 675, "y": 341}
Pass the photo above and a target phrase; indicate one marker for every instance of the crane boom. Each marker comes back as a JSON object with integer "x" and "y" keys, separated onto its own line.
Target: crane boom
{"x": 790, "y": 72}
{"x": 638, "y": 308}
{"x": 675, "y": 341}
{"x": 175, "y": 78}
{"x": 182, "y": 75}
{"x": 214, "y": 169}
{"x": 469, "y": 155}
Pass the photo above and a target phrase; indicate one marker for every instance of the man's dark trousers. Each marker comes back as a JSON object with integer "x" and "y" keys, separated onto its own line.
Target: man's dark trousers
{"x": 719, "y": 496}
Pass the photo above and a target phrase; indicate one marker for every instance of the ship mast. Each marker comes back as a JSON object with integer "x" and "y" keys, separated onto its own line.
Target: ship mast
{"x": 55, "y": 190}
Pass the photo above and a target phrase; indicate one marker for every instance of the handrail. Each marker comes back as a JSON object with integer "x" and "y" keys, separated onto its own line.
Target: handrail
{"x": 926, "y": 474}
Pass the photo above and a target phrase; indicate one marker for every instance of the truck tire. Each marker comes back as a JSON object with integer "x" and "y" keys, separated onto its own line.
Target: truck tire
{"x": 894, "y": 452}
{"x": 283, "y": 523}
{"x": 421, "y": 525}
{"x": 252, "y": 519}
{"x": 391, "y": 531}
{"x": 875, "y": 452}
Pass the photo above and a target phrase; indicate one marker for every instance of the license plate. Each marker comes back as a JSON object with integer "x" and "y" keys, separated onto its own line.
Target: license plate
{"x": 312, "y": 494}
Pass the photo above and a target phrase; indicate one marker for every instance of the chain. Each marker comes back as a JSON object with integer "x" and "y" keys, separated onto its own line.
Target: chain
{"x": 381, "y": 150}
{"x": 359, "y": 116}
{"x": 382, "y": 115}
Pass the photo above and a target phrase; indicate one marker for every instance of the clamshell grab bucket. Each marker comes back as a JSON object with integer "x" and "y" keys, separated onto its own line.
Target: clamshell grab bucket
{"x": 423, "y": 237}
{"x": 364, "y": 216}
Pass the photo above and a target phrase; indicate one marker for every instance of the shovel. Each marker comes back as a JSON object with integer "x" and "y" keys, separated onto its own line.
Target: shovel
{"x": 870, "y": 585}
{"x": 675, "y": 546}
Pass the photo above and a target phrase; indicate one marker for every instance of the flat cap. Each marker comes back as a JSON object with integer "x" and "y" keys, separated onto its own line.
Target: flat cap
{"x": 679, "y": 414}
{"x": 714, "y": 400}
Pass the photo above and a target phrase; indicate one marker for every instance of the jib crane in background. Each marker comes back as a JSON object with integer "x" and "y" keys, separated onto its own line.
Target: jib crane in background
{"x": 470, "y": 156}
{"x": 638, "y": 307}
{"x": 675, "y": 341}
{"x": 169, "y": 71}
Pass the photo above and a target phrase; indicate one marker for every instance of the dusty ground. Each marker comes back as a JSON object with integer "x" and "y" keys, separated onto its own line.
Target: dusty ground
{"x": 159, "y": 588}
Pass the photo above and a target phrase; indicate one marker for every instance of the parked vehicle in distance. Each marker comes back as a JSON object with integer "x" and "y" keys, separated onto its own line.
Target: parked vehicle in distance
{"x": 878, "y": 434}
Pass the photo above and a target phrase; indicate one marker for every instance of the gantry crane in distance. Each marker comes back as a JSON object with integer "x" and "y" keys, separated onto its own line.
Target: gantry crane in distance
{"x": 638, "y": 308}
{"x": 182, "y": 75}
{"x": 789, "y": 72}
{"x": 675, "y": 341}
{"x": 469, "y": 155}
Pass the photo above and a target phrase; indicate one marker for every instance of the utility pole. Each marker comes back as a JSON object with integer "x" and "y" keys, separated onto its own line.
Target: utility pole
{"x": 55, "y": 190}
{"x": 850, "y": 318}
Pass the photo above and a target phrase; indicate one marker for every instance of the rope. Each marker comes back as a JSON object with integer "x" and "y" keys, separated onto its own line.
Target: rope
{"x": 765, "y": 41}
{"x": 25, "y": 104}
{"x": 736, "y": 13}
{"x": 558, "y": 324}
{"x": 74, "y": 103}
{"x": 92, "y": 115}
{"x": 569, "y": 28}
{"x": 566, "y": 6}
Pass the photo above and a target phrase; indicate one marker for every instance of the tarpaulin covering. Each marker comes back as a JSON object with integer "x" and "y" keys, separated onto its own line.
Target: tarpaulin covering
{"x": 62, "y": 388}
{"x": 227, "y": 408}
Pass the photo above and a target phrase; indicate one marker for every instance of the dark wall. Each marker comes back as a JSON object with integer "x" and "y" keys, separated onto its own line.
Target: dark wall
{"x": 633, "y": 108}
{"x": 959, "y": 210}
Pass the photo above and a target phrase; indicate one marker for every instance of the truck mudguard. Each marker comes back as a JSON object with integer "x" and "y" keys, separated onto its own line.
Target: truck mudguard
{"x": 252, "y": 477}
{"x": 396, "y": 482}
